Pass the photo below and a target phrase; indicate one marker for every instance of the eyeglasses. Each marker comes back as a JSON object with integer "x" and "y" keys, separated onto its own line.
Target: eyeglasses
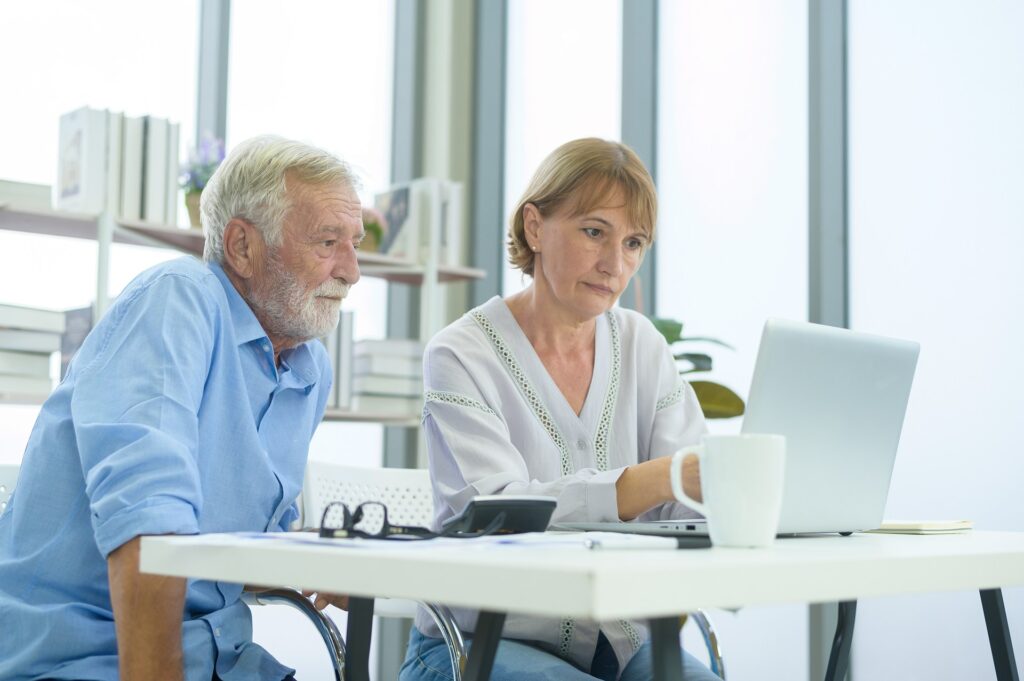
{"x": 369, "y": 520}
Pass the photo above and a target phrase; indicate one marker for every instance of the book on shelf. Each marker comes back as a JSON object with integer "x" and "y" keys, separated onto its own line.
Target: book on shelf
{"x": 339, "y": 349}
{"x": 388, "y": 365}
{"x": 154, "y": 170}
{"x": 25, "y": 387}
{"x": 414, "y": 211}
{"x": 330, "y": 342}
{"x": 171, "y": 176}
{"x": 398, "y": 386}
{"x": 31, "y": 318}
{"x": 389, "y": 405}
{"x": 26, "y": 195}
{"x": 343, "y": 373}
{"x": 402, "y": 347}
{"x": 82, "y": 161}
{"x": 132, "y": 154}
{"x": 451, "y": 224}
{"x": 115, "y": 136}
{"x": 15, "y": 363}
{"x": 21, "y": 340}
{"x": 77, "y": 325}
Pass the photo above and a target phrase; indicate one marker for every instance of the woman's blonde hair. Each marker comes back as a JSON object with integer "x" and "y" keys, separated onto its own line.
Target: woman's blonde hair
{"x": 580, "y": 176}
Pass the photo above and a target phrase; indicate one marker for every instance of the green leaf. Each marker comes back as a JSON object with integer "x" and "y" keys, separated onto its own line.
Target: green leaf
{"x": 717, "y": 401}
{"x": 699, "y": 360}
{"x": 669, "y": 328}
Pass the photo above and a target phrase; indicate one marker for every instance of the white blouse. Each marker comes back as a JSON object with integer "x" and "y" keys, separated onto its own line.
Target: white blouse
{"x": 496, "y": 423}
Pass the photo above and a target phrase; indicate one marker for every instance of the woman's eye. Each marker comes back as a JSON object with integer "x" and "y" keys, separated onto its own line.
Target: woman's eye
{"x": 634, "y": 244}
{"x": 593, "y": 232}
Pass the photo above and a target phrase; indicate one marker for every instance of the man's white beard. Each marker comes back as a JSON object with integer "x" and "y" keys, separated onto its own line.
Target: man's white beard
{"x": 289, "y": 311}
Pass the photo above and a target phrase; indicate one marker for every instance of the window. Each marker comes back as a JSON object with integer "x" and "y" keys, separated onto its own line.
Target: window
{"x": 564, "y": 81}
{"x": 60, "y": 55}
{"x": 936, "y": 151}
{"x": 732, "y": 173}
{"x": 321, "y": 72}
{"x": 732, "y": 242}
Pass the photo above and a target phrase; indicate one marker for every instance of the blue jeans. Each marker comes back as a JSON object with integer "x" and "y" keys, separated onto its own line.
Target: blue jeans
{"x": 427, "y": 659}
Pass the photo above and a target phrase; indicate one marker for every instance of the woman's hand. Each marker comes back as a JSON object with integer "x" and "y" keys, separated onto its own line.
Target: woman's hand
{"x": 645, "y": 485}
{"x": 322, "y": 600}
{"x": 691, "y": 477}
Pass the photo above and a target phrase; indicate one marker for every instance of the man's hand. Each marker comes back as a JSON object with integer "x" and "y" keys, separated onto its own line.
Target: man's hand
{"x": 323, "y": 600}
{"x": 148, "y": 611}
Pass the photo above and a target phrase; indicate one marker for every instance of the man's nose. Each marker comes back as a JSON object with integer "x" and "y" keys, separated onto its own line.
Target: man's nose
{"x": 346, "y": 265}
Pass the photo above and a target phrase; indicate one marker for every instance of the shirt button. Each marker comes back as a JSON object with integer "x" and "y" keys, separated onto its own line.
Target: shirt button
{"x": 216, "y": 632}
{"x": 581, "y": 444}
{"x": 266, "y": 348}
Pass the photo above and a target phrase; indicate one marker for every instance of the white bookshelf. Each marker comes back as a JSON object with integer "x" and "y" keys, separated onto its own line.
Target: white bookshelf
{"x": 106, "y": 231}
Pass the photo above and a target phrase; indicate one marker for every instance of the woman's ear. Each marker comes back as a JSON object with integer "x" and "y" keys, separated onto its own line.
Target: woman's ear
{"x": 533, "y": 223}
{"x": 242, "y": 247}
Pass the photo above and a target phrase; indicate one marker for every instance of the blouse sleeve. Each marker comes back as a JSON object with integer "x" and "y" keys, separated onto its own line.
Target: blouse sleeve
{"x": 678, "y": 421}
{"x": 471, "y": 452}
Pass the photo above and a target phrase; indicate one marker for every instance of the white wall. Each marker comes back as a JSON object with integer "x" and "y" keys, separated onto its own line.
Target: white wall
{"x": 732, "y": 243}
{"x": 936, "y": 217}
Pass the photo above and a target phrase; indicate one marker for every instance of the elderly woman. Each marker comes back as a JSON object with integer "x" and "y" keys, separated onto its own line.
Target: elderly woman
{"x": 555, "y": 391}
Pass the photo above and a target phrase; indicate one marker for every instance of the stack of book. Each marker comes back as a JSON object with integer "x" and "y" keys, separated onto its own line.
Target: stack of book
{"x": 28, "y": 338}
{"x": 339, "y": 349}
{"x": 123, "y": 165}
{"x": 387, "y": 377}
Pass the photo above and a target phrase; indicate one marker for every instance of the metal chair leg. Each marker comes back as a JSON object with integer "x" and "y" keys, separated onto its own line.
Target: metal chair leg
{"x": 324, "y": 625}
{"x": 707, "y": 632}
{"x": 451, "y": 635}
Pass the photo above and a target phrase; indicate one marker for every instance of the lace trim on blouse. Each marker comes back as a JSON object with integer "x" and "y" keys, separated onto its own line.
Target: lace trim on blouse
{"x": 455, "y": 398}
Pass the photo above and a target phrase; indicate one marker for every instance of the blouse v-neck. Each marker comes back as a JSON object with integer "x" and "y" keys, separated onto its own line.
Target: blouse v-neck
{"x": 501, "y": 316}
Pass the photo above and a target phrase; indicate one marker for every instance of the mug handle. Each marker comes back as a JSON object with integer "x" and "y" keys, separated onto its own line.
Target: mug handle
{"x": 675, "y": 472}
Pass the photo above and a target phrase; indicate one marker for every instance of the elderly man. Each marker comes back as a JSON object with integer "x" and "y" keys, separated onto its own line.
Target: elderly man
{"x": 188, "y": 409}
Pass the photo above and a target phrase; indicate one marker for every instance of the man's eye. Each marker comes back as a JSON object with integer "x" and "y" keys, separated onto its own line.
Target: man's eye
{"x": 330, "y": 243}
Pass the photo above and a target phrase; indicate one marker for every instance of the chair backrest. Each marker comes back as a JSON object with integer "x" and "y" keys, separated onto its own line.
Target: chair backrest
{"x": 8, "y": 476}
{"x": 405, "y": 491}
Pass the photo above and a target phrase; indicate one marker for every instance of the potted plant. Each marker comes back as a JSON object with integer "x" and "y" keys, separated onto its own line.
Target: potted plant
{"x": 202, "y": 163}
{"x": 717, "y": 401}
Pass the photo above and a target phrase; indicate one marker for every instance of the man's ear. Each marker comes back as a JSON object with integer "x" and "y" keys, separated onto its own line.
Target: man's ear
{"x": 242, "y": 247}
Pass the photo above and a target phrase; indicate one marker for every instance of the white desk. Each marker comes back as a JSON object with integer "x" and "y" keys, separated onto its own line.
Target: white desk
{"x": 610, "y": 585}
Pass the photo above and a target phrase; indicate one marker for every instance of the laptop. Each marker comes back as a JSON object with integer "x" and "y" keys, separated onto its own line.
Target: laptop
{"x": 839, "y": 397}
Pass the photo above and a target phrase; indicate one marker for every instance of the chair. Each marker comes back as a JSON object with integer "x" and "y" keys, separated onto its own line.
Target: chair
{"x": 407, "y": 494}
{"x": 8, "y": 476}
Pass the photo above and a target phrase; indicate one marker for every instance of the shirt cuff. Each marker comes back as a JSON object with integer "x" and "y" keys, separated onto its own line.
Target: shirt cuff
{"x": 153, "y": 516}
{"x": 602, "y": 497}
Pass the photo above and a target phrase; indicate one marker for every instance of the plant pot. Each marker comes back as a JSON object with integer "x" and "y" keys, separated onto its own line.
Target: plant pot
{"x": 192, "y": 203}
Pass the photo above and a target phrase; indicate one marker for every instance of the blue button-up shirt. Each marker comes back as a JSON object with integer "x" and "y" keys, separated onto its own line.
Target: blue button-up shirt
{"x": 173, "y": 418}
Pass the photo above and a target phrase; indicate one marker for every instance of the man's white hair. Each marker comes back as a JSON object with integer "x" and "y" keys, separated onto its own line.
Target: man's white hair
{"x": 250, "y": 184}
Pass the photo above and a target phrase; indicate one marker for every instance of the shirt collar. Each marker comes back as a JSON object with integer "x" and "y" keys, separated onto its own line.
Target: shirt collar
{"x": 247, "y": 327}
{"x": 302, "y": 373}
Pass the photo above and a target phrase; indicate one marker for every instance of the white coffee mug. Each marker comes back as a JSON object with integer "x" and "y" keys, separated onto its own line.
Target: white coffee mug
{"x": 741, "y": 482}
